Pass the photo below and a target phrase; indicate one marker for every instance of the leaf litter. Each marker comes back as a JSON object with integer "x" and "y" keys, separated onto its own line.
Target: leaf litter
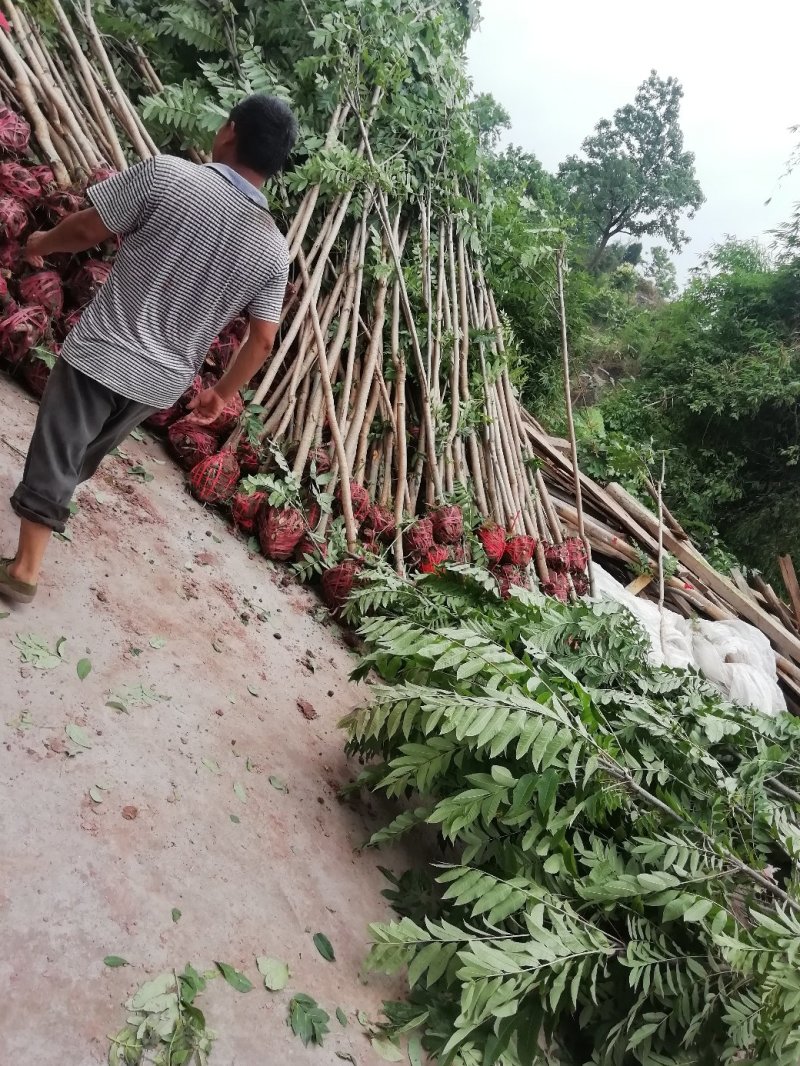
{"x": 274, "y": 971}
{"x": 35, "y": 651}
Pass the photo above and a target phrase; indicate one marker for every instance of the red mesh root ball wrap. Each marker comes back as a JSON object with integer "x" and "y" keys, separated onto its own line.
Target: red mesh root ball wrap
{"x": 36, "y": 373}
{"x": 493, "y": 539}
{"x": 448, "y": 524}
{"x": 577, "y": 556}
{"x": 381, "y": 521}
{"x": 280, "y": 531}
{"x": 15, "y": 133}
{"x": 509, "y": 576}
{"x": 245, "y": 508}
{"x": 247, "y": 456}
{"x": 44, "y": 176}
{"x": 359, "y": 498}
{"x": 580, "y": 582}
{"x": 19, "y": 182}
{"x": 557, "y": 585}
{"x": 225, "y": 421}
{"x": 190, "y": 443}
{"x": 338, "y": 582}
{"x": 434, "y": 559}
{"x": 418, "y": 538}
{"x": 519, "y": 550}
{"x": 214, "y": 479}
{"x": 13, "y": 218}
{"x": 317, "y": 549}
{"x": 60, "y": 203}
{"x": 461, "y": 553}
{"x": 319, "y": 459}
{"x": 556, "y": 557}
{"x": 21, "y": 330}
{"x": 88, "y": 279}
{"x": 44, "y": 290}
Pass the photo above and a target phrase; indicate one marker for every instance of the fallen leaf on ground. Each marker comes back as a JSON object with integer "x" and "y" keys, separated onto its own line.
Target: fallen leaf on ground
{"x": 114, "y": 960}
{"x": 95, "y": 794}
{"x": 307, "y": 710}
{"x": 175, "y": 914}
{"x": 252, "y": 690}
{"x": 77, "y": 735}
{"x": 278, "y": 784}
{"x": 34, "y": 650}
{"x": 415, "y": 1051}
{"x": 129, "y": 813}
{"x": 345, "y": 1056}
{"x": 235, "y": 818}
{"x": 240, "y": 791}
{"x": 341, "y": 1017}
{"x": 140, "y": 473}
{"x": 84, "y": 668}
{"x": 388, "y": 1051}
{"x": 324, "y": 947}
{"x": 274, "y": 971}
{"x": 233, "y": 977}
{"x": 307, "y": 1019}
{"x": 4, "y": 614}
{"x": 362, "y": 1017}
{"x": 212, "y": 765}
{"x": 157, "y": 642}
{"x": 117, "y": 705}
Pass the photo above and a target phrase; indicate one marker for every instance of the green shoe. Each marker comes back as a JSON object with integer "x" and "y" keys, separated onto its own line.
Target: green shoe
{"x": 13, "y": 589}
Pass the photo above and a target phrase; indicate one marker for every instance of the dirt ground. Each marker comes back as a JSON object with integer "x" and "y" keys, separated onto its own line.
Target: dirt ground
{"x": 208, "y": 653}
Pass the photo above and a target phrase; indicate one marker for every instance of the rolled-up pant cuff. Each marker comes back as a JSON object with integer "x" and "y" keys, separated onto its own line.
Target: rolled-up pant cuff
{"x": 27, "y": 503}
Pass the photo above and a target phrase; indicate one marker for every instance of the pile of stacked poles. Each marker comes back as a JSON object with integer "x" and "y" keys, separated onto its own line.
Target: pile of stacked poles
{"x": 406, "y": 413}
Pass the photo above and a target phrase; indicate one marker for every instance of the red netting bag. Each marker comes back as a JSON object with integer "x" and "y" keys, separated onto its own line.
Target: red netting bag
{"x": 13, "y": 219}
{"x": 101, "y": 173}
{"x": 5, "y": 295}
{"x": 448, "y": 524}
{"x": 43, "y": 289}
{"x": 10, "y": 255}
{"x": 580, "y": 582}
{"x": 509, "y": 576}
{"x": 245, "y": 508}
{"x": 15, "y": 133}
{"x": 280, "y": 531}
{"x": 461, "y": 553}
{"x": 317, "y": 549}
{"x": 434, "y": 559}
{"x": 18, "y": 182}
{"x": 163, "y": 419}
{"x": 36, "y": 373}
{"x": 248, "y": 456}
{"x": 319, "y": 459}
{"x": 21, "y": 330}
{"x": 381, "y": 521}
{"x": 557, "y": 585}
{"x": 225, "y": 421}
{"x": 338, "y": 582}
{"x": 519, "y": 550}
{"x": 556, "y": 557}
{"x": 214, "y": 480}
{"x": 418, "y": 538}
{"x": 88, "y": 279}
{"x": 369, "y": 538}
{"x": 60, "y": 203}
{"x": 190, "y": 443}
{"x": 493, "y": 539}
{"x": 69, "y": 322}
{"x": 44, "y": 176}
{"x": 359, "y": 498}
{"x": 577, "y": 556}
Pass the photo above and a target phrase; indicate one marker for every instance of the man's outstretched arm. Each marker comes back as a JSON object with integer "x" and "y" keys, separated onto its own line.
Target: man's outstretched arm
{"x": 248, "y": 361}
{"x": 76, "y": 233}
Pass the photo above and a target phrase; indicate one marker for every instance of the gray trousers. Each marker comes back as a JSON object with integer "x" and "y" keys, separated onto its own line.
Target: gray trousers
{"x": 80, "y": 421}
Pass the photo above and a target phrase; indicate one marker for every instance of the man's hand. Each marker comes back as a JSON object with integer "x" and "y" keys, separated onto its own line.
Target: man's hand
{"x": 33, "y": 252}
{"x": 206, "y": 407}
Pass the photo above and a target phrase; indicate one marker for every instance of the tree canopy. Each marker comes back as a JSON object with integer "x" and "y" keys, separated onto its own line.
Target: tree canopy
{"x": 635, "y": 176}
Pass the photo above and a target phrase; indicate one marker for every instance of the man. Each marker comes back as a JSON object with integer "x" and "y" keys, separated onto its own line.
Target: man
{"x": 198, "y": 246}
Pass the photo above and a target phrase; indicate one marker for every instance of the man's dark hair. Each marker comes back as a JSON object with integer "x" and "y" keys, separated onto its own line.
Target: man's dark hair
{"x": 266, "y": 131}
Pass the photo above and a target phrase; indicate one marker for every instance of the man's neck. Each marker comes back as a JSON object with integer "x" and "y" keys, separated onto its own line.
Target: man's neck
{"x": 252, "y": 176}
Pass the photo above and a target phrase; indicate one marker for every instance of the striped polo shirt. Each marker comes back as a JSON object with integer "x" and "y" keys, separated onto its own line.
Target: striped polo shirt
{"x": 198, "y": 248}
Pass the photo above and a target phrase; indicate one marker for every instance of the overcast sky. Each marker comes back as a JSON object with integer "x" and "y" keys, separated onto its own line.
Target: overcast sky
{"x": 559, "y": 67}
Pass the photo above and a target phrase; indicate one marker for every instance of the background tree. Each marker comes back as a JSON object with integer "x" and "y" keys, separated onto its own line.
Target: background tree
{"x": 635, "y": 176}
{"x": 661, "y": 271}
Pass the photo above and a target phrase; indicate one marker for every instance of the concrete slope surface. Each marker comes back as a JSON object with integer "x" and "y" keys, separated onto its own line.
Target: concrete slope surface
{"x": 208, "y": 655}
